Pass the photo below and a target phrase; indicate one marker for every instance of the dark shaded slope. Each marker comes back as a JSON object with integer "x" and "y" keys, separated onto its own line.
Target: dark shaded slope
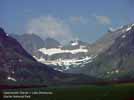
{"x": 30, "y": 42}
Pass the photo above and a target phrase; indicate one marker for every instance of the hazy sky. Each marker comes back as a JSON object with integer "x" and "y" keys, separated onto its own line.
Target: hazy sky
{"x": 65, "y": 19}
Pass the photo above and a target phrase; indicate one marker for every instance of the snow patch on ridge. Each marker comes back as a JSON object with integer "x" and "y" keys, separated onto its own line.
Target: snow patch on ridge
{"x": 129, "y": 28}
{"x": 75, "y": 43}
{"x": 11, "y": 78}
{"x": 123, "y": 36}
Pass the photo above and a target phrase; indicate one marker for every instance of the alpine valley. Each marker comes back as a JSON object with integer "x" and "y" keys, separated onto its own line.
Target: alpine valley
{"x": 77, "y": 62}
{"x": 110, "y": 57}
{"x": 19, "y": 68}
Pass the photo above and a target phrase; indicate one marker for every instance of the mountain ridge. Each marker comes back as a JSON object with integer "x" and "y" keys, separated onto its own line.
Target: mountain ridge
{"x": 116, "y": 63}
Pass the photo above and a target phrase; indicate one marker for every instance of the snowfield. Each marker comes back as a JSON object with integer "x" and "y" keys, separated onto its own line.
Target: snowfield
{"x": 66, "y": 62}
{"x": 11, "y": 78}
{"x": 53, "y": 51}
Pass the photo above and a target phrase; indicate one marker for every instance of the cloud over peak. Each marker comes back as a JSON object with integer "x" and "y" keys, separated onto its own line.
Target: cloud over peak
{"x": 79, "y": 19}
{"x": 103, "y": 19}
{"x": 49, "y": 26}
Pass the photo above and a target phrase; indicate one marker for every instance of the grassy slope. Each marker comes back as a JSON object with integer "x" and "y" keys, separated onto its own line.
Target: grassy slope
{"x": 90, "y": 92}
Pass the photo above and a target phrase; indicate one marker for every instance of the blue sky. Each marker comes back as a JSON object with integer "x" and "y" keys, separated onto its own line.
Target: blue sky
{"x": 65, "y": 19}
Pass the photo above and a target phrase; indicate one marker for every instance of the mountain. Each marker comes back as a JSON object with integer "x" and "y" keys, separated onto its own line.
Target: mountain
{"x": 30, "y": 42}
{"x": 51, "y": 52}
{"x": 116, "y": 63}
{"x": 51, "y": 43}
{"x": 72, "y": 55}
{"x": 102, "y": 44}
{"x": 110, "y": 57}
{"x": 64, "y": 57}
{"x": 75, "y": 44}
{"x": 20, "y": 68}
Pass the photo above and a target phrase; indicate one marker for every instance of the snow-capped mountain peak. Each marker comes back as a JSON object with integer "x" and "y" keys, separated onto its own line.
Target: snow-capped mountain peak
{"x": 124, "y": 28}
{"x": 74, "y": 43}
{"x": 130, "y": 27}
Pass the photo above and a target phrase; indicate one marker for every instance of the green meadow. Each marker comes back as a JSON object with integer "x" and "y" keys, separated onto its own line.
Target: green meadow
{"x": 88, "y": 92}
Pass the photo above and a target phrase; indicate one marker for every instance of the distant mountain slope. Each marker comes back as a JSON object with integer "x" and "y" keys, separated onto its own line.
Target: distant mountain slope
{"x": 117, "y": 62}
{"x": 30, "y": 42}
{"x": 51, "y": 43}
{"x": 19, "y": 68}
{"x": 108, "y": 39}
{"x": 75, "y": 44}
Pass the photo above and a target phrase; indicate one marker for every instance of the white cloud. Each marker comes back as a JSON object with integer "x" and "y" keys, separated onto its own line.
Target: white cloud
{"x": 49, "y": 26}
{"x": 103, "y": 19}
{"x": 78, "y": 19}
{"x": 84, "y": 20}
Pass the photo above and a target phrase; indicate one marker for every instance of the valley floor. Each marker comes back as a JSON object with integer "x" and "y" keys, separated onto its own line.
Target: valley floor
{"x": 90, "y": 92}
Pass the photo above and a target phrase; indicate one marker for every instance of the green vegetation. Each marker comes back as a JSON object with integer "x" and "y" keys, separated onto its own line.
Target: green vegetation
{"x": 90, "y": 92}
